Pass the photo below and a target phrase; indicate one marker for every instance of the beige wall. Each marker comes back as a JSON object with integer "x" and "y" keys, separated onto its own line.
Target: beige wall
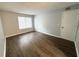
{"x": 49, "y": 23}
{"x": 10, "y": 23}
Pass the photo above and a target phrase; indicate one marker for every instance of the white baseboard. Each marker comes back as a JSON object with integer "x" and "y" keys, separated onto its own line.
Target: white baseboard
{"x": 12, "y": 35}
{"x": 53, "y": 35}
{"x": 18, "y": 33}
{"x": 4, "y": 47}
{"x": 76, "y": 49}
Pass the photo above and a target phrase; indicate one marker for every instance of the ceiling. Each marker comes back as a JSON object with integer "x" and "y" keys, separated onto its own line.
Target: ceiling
{"x": 33, "y": 7}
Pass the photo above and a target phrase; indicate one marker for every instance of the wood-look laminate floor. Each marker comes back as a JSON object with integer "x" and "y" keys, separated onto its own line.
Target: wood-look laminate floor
{"x": 36, "y": 44}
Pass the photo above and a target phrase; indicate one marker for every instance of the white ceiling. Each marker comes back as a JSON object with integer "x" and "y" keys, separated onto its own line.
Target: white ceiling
{"x": 33, "y": 7}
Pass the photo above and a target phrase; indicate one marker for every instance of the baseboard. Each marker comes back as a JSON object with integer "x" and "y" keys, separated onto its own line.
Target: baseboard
{"x": 4, "y": 48}
{"x": 54, "y": 35}
{"x": 12, "y": 35}
{"x": 76, "y": 49}
{"x": 18, "y": 34}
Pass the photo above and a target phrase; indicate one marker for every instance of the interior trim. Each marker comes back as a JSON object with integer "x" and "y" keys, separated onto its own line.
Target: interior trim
{"x": 76, "y": 49}
{"x": 54, "y": 35}
{"x": 18, "y": 33}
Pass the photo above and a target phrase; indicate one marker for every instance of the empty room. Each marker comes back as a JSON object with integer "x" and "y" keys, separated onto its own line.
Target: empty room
{"x": 39, "y": 29}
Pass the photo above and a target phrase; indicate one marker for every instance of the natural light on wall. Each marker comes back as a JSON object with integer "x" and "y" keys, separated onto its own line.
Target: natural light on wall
{"x": 24, "y": 22}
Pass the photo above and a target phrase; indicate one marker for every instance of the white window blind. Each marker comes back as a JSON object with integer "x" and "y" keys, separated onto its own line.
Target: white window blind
{"x": 25, "y": 22}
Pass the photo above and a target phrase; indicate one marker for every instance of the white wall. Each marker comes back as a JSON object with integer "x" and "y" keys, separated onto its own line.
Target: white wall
{"x": 49, "y": 22}
{"x": 10, "y": 23}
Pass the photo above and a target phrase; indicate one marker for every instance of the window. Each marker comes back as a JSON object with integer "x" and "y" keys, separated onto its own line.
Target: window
{"x": 25, "y": 22}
